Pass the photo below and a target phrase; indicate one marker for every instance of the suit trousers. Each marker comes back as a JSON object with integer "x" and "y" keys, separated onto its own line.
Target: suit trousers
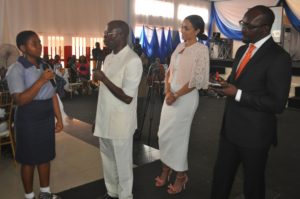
{"x": 228, "y": 160}
{"x": 116, "y": 157}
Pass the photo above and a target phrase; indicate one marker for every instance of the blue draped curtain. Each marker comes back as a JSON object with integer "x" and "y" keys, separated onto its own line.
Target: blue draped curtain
{"x": 230, "y": 33}
{"x": 166, "y": 47}
{"x": 144, "y": 43}
{"x": 236, "y": 34}
{"x": 292, "y": 17}
{"x": 131, "y": 37}
{"x": 163, "y": 46}
{"x": 154, "y": 46}
{"x": 169, "y": 43}
{"x": 176, "y": 39}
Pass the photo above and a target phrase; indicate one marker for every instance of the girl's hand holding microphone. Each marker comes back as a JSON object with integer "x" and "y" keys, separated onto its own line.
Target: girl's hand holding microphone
{"x": 47, "y": 75}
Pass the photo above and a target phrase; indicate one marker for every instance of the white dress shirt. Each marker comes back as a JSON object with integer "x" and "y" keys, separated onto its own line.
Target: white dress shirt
{"x": 257, "y": 45}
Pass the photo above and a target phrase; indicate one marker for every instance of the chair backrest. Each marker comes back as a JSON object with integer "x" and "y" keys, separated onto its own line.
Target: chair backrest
{"x": 5, "y": 98}
{"x": 6, "y": 104}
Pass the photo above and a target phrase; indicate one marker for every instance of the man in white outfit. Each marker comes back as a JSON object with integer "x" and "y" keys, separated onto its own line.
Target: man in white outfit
{"x": 116, "y": 118}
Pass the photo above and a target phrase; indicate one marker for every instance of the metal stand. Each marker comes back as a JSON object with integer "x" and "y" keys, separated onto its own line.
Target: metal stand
{"x": 221, "y": 49}
{"x": 150, "y": 100}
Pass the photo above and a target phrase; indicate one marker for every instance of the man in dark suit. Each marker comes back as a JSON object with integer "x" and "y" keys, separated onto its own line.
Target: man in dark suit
{"x": 257, "y": 89}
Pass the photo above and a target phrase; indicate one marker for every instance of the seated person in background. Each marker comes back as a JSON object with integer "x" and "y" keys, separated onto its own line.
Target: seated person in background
{"x": 56, "y": 63}
{"x": 83, "y": 68}
{"x": 64, "y": 73}
{"x": 72, "y": 69}
{"x": 60, "y": 82}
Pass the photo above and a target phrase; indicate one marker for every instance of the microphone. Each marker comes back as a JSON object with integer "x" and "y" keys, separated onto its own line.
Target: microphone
{"x": 45, "y": 66}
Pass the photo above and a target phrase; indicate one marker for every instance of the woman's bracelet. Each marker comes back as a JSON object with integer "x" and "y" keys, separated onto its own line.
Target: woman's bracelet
{"x": 176, "y": 95}
{"x": 167, "y": 92}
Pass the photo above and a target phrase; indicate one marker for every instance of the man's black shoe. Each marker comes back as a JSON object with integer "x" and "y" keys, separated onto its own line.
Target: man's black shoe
{"x": 106, "y": 196}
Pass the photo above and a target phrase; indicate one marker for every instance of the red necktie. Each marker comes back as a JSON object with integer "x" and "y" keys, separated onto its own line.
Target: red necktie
{"x": 245, "y": 60}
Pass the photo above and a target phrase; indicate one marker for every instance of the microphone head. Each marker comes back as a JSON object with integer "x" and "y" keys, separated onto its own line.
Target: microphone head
{"x": 44, "y": 63}
{"x": 45, "y": 66}
{"x": 39, "y": 59}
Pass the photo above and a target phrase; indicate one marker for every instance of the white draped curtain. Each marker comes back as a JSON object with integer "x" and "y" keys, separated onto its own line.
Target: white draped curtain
{"x": 59, "y": 17}
{"x": 230, "y": 12}
{"x": 294, "y": 5}
{"x": 88, "y": 18}
{"x": 294, "y": 36}
{"x": 233, "y": 11}
{"x": 174, "y": 23}
{"x": 77, "y": 17}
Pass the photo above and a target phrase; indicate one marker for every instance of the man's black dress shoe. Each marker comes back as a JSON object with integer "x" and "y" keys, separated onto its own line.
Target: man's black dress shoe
{"x": 106, "y": 196}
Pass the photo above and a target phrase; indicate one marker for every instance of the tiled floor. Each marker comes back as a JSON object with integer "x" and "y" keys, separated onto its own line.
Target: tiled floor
{"x": 142, "y": 154}
{"x": 77, "y": 162}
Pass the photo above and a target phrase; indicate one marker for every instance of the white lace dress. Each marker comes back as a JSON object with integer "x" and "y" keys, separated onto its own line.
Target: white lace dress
{"x": 188, "y": 64}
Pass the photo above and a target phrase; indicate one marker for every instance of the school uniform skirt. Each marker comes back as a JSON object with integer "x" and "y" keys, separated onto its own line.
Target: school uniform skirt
{"x": 35, "y": 132}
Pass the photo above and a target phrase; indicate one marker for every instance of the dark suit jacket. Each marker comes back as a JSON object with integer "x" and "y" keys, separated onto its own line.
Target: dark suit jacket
{"x": 265, "y": 83}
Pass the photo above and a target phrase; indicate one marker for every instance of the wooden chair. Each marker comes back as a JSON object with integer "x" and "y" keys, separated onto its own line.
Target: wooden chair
{"x": 6, "y": 117}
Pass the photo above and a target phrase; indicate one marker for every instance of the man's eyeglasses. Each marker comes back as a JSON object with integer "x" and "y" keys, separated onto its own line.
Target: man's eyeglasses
{"x": 112, "y": 33}
{"x": 248, "y": 26}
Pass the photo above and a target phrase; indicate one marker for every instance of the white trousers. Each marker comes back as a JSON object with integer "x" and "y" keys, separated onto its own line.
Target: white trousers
{"x": 117, "y": 166}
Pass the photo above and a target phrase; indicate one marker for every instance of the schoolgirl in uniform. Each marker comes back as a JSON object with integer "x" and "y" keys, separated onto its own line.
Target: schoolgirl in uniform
{"x": 37, "y": 106}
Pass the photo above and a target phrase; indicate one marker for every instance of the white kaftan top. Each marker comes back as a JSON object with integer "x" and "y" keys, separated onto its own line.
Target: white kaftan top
{"x": 114, "y": 118}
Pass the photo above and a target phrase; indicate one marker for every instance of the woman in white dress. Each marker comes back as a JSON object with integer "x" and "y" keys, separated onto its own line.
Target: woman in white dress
{"x": 188, "y": 71}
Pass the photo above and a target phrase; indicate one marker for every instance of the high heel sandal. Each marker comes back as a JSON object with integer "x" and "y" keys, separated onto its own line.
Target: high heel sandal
{"x": 160, "y": 182}
{"x": 179, "y": 185}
